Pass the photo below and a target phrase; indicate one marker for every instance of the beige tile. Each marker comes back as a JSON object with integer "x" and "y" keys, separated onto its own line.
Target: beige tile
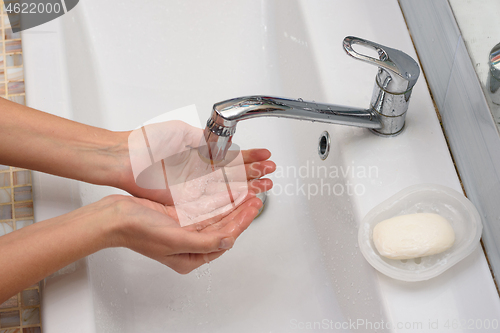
{"x": 13, "y": 60}
{"x": 22, "y": 193}
{"x": 4, "y": 179}
{"x": 23, "y": 209}
{"x": 10, "y": 330}
{"x": 5, "y": 19}
{"x": 6, "y": 212}
{"x": 10, "y": 303}
{"x": 30, "y": 298}
{"x": 13, "y": 46}
{"x": 5, "y": 195}
{"x": 23, "y": 223}
{"x": 6, "y": 227}
{"x": 22, "y": 177}
{"x": 31, "y": 316}
{"x": 32, "y": 330}
{"x": 9, "y": 319}
{"x": 19, "y": 99}
{"x": 9, "y": 34}
{"x": 15, "y": 88}
{"x": 15, "y": 74}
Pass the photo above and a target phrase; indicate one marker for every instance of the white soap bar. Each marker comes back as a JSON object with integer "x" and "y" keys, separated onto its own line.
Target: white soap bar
{"x": 413, "y": 236}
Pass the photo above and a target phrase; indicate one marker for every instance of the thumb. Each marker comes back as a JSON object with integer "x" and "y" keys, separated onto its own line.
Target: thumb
{"x": 194, "y": 242}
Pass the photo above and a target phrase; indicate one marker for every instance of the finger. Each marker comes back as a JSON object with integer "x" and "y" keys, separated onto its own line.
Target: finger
{"x": 241, "y": 222}
{"x": 244, "y": 214}
{"x": 255, "y": 185}
{"x": 237, "y": 225}
{"x": 211, "y": 205}
{"x": 220, "y": 220}
{"x": 245, "y": 157}
{"x": 187, "y": 262}
{"x": 255, "y": 155}
{"x": 185, "y": 241}
{"x": 259, "y": 169}
{"x": 193, "y": 135}
{"x": 222, "y": 211}
{"x": 250, "y": 171}
{"x": 213, "y": 188}
{"x": 149, "y": 204}
{"x": 260, "y": 185}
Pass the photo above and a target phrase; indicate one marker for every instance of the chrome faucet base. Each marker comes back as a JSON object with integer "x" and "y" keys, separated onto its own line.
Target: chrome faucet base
{"x": 384, "y": 135}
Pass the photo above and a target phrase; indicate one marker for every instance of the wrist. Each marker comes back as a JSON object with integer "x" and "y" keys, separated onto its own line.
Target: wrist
{"x": 110, "y": 160}
{"x": 112, "y": 221}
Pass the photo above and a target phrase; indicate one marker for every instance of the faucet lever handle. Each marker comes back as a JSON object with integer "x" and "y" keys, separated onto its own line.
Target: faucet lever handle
{"x": 403, "y": 70}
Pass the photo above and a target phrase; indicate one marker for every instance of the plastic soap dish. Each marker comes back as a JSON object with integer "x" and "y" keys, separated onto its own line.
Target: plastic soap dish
{"x": 424, "y": 198}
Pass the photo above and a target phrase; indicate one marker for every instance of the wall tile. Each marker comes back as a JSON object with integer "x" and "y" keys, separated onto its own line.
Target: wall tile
{"x": 15, "y": 74}
{"x": 15, "y": 88}
{"x": 21, "y": 177}
{"x": 5, "y": 195}
{"x": 6, "y": 212}
{"x": 10, "y": 303}
{"x": 6, "y": 227}
{"x": 32, "y": 330}
{"x": 13, "y": 46}
{"x": 10, "y": 319}
{"x": 13, "y": 60}
{"x": 31, "y": 316}
{"x": 4, "y": 179}
{"x": 23, "y": 223}
{"x": 23, "y": 209}
{"x": 30, "y": 297}
{"x": 15, "y": 185}
{"x": 22, "y": 193}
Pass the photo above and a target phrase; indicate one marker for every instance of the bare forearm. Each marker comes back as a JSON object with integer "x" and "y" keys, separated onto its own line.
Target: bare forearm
{"x": 40, "y": 141}
{"x": 32, "y": 253}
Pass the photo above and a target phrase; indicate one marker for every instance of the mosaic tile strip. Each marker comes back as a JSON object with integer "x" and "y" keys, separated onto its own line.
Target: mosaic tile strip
{"x": 20, "y": 313}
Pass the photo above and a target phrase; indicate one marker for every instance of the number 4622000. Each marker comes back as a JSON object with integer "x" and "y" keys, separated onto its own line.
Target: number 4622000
{"x": 32, "y": 8}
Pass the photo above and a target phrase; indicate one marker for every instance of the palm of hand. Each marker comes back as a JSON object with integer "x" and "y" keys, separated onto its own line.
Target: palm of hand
{"x": 174, "y": 174}
{"x": 183, "y": 248}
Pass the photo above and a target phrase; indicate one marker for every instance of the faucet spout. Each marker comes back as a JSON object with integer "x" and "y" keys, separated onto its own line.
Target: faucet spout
{"x": 397, "y": 74}
{"x": 221, "y": 125}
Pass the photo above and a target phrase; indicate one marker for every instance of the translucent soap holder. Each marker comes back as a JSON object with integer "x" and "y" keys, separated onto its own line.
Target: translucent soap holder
{"x": 423, "y": 198}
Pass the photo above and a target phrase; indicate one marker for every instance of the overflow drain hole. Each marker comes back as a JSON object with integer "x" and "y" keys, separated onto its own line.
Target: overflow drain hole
{"x": 324, "y": 145}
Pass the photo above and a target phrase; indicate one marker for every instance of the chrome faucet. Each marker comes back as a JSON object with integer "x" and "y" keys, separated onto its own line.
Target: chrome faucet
{"x": 396, "y": 76}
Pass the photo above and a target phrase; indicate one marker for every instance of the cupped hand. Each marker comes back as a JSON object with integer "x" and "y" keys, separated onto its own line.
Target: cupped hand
{"x": 164, "y": 166}
{"x": 151, "y": 229}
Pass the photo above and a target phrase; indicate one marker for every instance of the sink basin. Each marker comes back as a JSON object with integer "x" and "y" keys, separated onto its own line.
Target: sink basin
{"x": 298, "y": 266}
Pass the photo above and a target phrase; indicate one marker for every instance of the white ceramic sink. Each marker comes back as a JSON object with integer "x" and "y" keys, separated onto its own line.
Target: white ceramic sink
{"x": 117, "y": 64}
